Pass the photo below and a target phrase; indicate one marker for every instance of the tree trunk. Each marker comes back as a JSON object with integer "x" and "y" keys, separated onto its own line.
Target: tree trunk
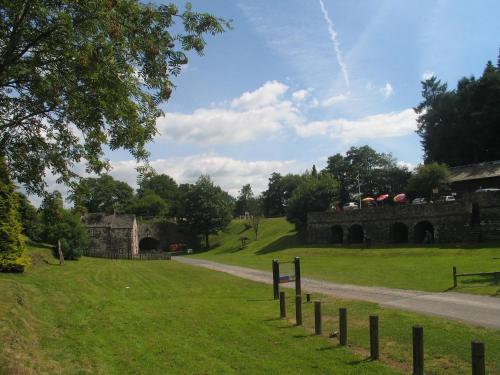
{"x": 206, "y": 241}
{"x": 59, "y": 251}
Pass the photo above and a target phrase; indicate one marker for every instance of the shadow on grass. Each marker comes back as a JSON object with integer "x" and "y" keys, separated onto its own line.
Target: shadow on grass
{"x": 360, "y": 361}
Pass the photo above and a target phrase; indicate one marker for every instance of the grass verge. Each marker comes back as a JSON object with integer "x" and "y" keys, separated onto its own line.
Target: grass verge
{"x": 417, "y": 268}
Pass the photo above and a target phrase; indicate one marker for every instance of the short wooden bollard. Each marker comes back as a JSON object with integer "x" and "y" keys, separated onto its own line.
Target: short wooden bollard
{"x": 317, "y": 317}
{"x": 298, "y": 310}
{"x": 276, "y": 279}
{"x": 455, "y": 282}
{"x": 374, "y": 354}
{"x": 478, "y": 367}
{"x": 308, "y": 297}
{"x": 282, "y": 305}
{"x": 418, "y": 350}
{"x": 343, "y": 326}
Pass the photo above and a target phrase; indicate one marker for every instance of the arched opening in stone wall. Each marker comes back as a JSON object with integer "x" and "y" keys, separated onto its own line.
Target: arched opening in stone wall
{"x": 337, "y": 234}
{"x": 424, "y": 232}
{"x": 149, "y": 244}
{"x": 356, "y": 234}
{"x": 399, "y": 233}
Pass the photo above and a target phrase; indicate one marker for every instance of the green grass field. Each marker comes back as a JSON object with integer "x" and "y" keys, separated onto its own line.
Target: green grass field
{"x": 428, "y": 268}
{"x": 99, "y": 316}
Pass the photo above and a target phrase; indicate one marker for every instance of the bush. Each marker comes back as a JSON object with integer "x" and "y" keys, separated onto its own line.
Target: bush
{"x": 72, "y": 234}
{"x": 12, "y": 247}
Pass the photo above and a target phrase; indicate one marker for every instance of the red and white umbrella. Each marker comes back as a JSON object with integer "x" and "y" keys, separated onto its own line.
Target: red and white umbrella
{"x": 400, "y": 198}
{"x": 382, "y": 197}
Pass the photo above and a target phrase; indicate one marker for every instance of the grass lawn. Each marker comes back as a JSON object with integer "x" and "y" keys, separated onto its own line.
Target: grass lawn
{"x": 427, "y": 268}
{"x": 99, "y": 316}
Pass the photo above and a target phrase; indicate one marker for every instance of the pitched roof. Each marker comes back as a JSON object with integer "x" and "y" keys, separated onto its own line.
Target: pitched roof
{"x": 475, "y": 171}
{"x": 112, "y": 221}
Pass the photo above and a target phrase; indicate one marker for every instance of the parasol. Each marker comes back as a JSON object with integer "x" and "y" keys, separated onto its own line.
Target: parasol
{"x": 382, "y": 197}
{"x": 400, "y": 198}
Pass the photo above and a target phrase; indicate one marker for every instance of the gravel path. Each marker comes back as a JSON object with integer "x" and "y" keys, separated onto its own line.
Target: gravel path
{"x": 479, "y": 310}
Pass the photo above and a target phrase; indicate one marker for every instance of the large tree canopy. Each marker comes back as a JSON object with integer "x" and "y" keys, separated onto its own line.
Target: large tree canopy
{"x": 76, "y": 76}
{"x": 206, "y": 208}
{"x": 461, "y": 126}
{"x": 377, "y": 172}
{"x": 103, "y": 194}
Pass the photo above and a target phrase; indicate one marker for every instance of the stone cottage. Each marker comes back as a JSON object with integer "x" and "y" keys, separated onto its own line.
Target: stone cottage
{"x": 112, "y": 233}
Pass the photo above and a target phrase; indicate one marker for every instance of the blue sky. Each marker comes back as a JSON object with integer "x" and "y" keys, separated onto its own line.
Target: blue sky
{"x": 296, "y": 81}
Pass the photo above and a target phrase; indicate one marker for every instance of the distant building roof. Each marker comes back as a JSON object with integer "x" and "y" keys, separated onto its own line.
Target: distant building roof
{"x": 477, "y": 171}
{"x": 111, "y": 221}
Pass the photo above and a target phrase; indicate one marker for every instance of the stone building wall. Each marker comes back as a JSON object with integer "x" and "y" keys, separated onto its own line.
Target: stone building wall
{"x": 474, "y": 218}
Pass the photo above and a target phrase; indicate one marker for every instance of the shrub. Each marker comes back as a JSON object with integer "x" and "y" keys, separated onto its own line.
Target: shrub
{"x": 12, "y": 247}
{"x": 72, "y": 234}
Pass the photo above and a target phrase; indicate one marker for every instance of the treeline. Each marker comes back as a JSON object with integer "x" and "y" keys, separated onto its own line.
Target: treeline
{"x": 461, "y": 126}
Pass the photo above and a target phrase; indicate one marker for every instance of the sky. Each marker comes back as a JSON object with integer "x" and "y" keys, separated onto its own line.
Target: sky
{"x": 296, "y": 81}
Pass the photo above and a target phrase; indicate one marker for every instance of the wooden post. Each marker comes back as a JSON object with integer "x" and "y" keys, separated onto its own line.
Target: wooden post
{"x": 298, "y": 310}
{"x": 317, "y": 317}
{"x": 308, "y": 297}
{"x": 343, "y": 326}
{"x": 374, "y": 353}
{"x": 418, "y": 350}
{"x": 478, "y": 367}
{"x": 276, "y": 279}
{"x": 455, "y": 283}
{"x": 298, "y": 288}
{"x": 282, "y": 305}
{"x": 59, "y": 251}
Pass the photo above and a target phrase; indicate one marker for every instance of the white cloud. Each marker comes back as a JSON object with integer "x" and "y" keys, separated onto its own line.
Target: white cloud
{"x": 332, "y": 100}
{"x": 335, "y": 41}
{"x": 384, "y": 125}
{"x": 387, "y": 90}
{"x": 255, "y": 114}
{"x": 408, "y": 165}
{"x": 231, "y": 174}
{"x": 300, "y": 95}
{"x": 427, "y": 75}
{"x": 266, "y": 95}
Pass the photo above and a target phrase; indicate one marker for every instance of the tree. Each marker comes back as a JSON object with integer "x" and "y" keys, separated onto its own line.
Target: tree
{"x": 103, "y": 194}
{"x": 313, "y": 194}
{"x": 162, "y": 185}
{"x": 207, "y": 209}
{"x": 79, "y": 76}
{"x": 12, "y": 257}
{"x": 377, "y": 173}
{"x": 148, "y": 205}
{"x": 29, "y": 218}
{"x": 461, "y": 126}
{"x": 59, "y": 224}
{"x": 243, "y": 201}
{"x": 51, "y": 214}
{"x": 428, "y": 177}
{"x": 279, "y": 190}
{"x": 72, "y": 234}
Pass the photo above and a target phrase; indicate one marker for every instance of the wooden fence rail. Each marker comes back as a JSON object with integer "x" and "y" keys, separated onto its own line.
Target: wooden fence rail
{"x": 456, "y": 275}
{"x": 141, "y": 256}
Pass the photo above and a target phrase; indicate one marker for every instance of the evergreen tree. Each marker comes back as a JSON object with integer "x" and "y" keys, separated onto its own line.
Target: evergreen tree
{"x": 461, "y": 126}
{"x": 12, "y": 257}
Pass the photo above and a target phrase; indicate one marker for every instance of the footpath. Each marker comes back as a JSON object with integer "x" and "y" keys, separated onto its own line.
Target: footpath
{"x": 482, "y": 311}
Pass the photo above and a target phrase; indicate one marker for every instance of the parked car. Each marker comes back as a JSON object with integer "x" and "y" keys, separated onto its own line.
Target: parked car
{"x": 350, "y": 206}
{"x": 449, "y": 198}
{"x": 419, "y": 201}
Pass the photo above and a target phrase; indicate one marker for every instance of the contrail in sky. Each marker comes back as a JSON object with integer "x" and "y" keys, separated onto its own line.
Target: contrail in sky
{"x": 336, "y": 45}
